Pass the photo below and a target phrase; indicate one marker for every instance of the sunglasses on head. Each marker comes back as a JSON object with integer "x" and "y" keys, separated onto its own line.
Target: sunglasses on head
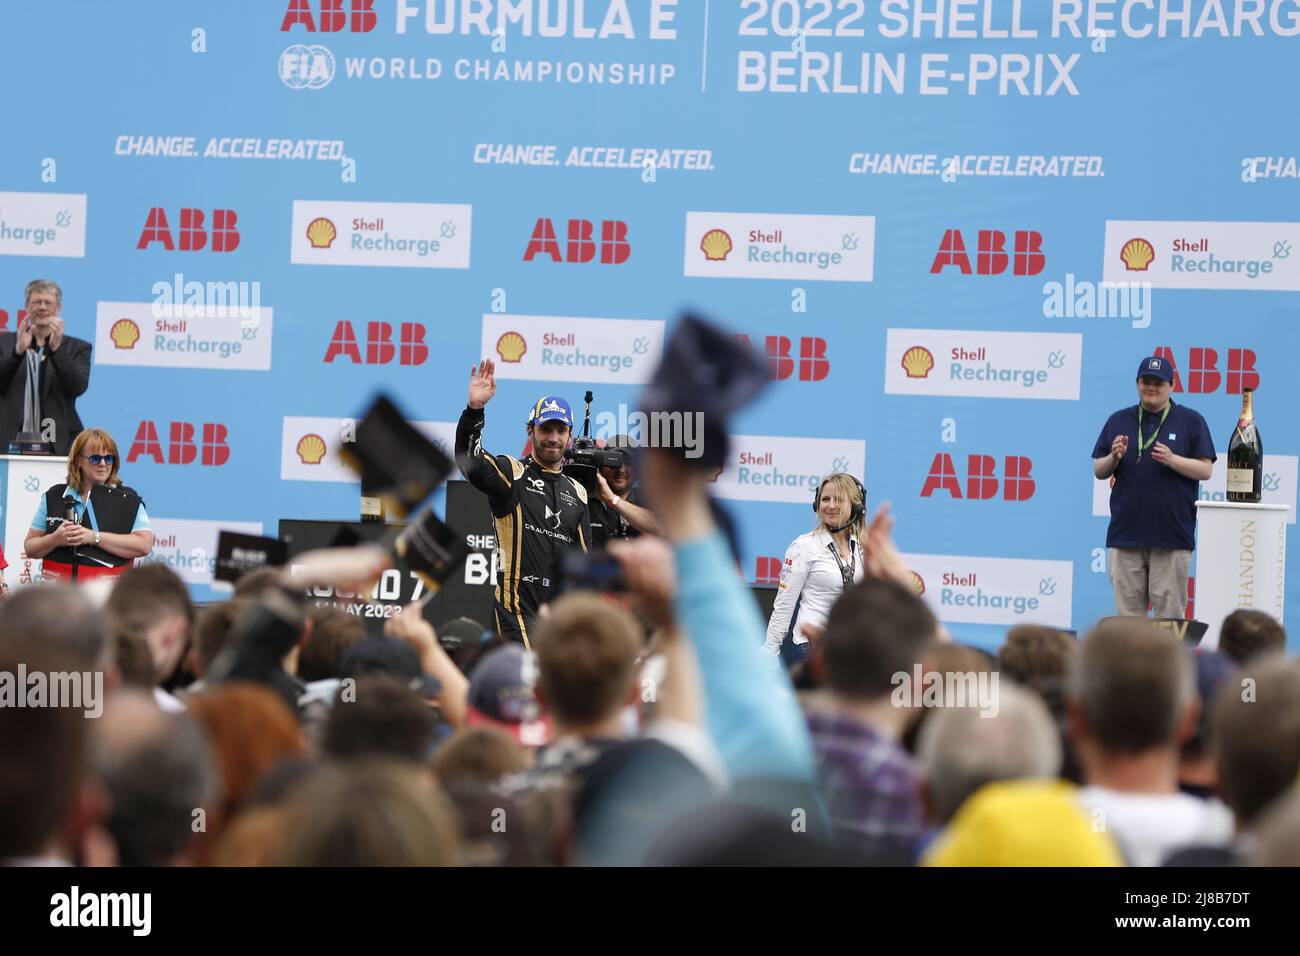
{"x": 100, "y": 459}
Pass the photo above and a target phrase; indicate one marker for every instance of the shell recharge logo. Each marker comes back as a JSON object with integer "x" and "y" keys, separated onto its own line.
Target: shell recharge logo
{"x": 511, "y": 347}
{"x": 311, "y": 449}
{"x": 321, "y": 233}
{"x": 917, "y": 362}
{"x": 1137, "y": 255}
{"x": 124, "y": 334}
{"x": 918, "y": 583}
{"x": 716, "y": 245}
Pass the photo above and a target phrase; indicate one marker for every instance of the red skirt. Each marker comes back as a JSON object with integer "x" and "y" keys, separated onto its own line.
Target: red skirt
{"x": 57, "y": 571}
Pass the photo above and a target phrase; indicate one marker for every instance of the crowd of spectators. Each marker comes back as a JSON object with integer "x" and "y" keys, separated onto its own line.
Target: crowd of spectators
{"x": 647, "y": 728}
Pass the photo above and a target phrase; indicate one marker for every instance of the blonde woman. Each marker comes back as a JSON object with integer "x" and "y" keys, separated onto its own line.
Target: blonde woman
{"x": 109, "y": 527}
{"x": 819, "y": 565}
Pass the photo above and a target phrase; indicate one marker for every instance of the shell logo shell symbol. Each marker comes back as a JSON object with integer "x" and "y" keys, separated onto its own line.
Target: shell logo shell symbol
{"x": 918, "y": 583}
{"x": 716, "y": 245}
{"x": 511, "y": 347}
{"x": 321, "y": 233}
{"x": 1137, "y": 255}
{"x": 124, "y": 334}
{"x": 311, "y": 449}
{"x": 917, "y": 362}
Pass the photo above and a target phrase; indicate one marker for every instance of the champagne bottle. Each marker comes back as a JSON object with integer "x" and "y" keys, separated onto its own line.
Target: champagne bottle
{"x": 372, "y": 506}
{"x": 1245, "y": 455}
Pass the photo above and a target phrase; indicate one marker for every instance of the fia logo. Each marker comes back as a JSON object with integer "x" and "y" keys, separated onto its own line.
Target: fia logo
{"x": 306, "y": 67}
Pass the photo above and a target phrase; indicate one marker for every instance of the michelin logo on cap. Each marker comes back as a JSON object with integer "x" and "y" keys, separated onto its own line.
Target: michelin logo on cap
{"x": 552, "y": 408}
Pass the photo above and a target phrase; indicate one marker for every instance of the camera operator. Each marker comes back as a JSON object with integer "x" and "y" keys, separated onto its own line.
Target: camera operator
{"x": 617, "y": 513}
{"x": 538, "y": 510}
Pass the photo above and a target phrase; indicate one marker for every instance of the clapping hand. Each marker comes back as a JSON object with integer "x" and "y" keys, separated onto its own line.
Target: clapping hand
{"x": 24, "y": 334}
{"x": 56, "y": 333}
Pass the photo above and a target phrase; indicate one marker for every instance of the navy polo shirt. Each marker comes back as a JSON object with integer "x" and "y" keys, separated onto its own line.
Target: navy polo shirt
{"x": 1151, "y": 505}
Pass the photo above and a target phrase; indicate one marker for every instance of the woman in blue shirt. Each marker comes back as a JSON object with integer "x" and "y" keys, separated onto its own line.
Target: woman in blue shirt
{"x": 110, "y": 527}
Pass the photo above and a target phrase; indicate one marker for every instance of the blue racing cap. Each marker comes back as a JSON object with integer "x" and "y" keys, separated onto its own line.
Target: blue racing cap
{"x": 1156, "y": 367}
{"x": 551, "y": 408}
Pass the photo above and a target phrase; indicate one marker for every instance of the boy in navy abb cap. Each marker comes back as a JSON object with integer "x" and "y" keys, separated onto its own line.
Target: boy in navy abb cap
{"x": 538, "y": 511}
{"x": 1157, "y": 452}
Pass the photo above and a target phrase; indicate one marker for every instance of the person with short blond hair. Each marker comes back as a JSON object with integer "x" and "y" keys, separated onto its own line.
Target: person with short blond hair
{"x": 42, "y": 372}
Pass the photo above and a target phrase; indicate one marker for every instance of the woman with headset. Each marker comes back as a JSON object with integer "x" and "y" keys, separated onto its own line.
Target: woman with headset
{"x": 820, "y": 564}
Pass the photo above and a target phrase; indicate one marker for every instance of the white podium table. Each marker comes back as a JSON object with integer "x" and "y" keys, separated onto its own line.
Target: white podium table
{"x": 1240, "y": 561}
{"x": 23, "y": 479}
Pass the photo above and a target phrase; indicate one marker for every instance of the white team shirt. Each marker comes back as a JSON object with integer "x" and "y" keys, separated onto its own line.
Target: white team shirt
{"x": 810, "y": 571}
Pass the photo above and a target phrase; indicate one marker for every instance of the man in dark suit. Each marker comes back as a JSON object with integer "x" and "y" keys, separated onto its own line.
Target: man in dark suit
{"x": 42, "y": 371}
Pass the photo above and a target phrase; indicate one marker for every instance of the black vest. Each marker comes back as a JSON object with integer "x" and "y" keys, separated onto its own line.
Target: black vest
{"x": 115, "y": 511}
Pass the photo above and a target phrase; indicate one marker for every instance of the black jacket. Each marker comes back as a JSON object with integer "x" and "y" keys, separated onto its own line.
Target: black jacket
{"x": 65, "y": 374}
{"x": 607, "y": 524}
{"x": 537, "y": 514}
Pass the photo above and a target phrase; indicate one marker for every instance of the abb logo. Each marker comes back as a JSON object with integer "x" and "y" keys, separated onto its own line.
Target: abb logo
{"x": 333, "y": 17}
{"x": 380, "y": 349}
{"x": 767, "y": 570}
{"x": 991, "y": 257}
{"x": 580, "y": 247}
{"x": 4, "y": 318}
{"x": 193, "y": 234}
{"x": 1203, "y": 373}
{"x": 981, "y": 478}
{"x": 212, "y": 449}
{"x": 813, "y": 365}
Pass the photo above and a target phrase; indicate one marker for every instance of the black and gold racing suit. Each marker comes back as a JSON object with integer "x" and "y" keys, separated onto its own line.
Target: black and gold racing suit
{"x": 537, "y": 513}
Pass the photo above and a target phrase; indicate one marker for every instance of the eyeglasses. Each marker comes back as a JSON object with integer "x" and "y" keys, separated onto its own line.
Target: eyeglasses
{"x": 100, "y": 459}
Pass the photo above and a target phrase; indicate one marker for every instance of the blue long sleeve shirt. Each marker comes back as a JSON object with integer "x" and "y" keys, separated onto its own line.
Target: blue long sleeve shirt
{"x": 750, "y": 707}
